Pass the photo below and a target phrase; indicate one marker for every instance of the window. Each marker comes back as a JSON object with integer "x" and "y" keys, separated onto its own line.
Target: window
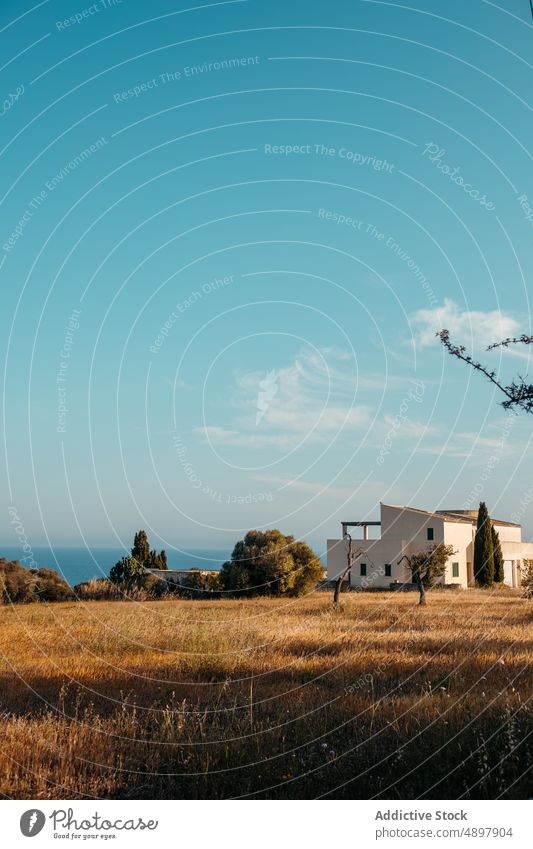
{"x": 455, "y": 570}
{"x": 388, "y": 570}
{"x": 363, "y": 568}
{"x": 431, "y": 534}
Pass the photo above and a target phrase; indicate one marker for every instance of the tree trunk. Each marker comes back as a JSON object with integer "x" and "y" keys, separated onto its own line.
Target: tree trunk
{"x": 421, "y": 589}
{"x": 340, "y": 579}
{"x": 338, "y": 587}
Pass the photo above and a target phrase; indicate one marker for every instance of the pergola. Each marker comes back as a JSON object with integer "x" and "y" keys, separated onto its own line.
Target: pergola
{"x": 364, "y": 525}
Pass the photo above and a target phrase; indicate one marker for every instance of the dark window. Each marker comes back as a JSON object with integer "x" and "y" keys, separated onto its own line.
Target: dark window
{"x": 455, "y": 570}
{"x": 363, "y": 568}
{"x": 431, "y": 534}
{"x": 388, "y": 570}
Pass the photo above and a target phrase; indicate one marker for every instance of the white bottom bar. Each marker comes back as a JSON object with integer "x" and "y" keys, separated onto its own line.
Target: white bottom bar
{"x": 264, "y": 824}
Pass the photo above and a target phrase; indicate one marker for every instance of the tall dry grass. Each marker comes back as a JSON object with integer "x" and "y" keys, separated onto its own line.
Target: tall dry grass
{"x": 269, "y": 698}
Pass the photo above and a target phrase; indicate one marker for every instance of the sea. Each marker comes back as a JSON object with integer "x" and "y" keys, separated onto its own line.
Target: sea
{"x": 81, "y": 564}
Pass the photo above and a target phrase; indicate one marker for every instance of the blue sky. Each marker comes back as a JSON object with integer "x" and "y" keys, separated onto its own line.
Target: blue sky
{"x": 229, "y": 235}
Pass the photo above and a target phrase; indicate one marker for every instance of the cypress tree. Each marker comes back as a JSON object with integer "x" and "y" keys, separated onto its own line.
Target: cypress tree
{"x": 498, "y": 556}
{"x": 483, "y": 548}
{"x": 157, "y": 561}
{"x": 141, "y": 548}
{"x": 131, "y": 570}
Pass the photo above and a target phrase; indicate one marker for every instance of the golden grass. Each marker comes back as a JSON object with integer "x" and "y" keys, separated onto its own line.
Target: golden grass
{"x": 269, "y": 698}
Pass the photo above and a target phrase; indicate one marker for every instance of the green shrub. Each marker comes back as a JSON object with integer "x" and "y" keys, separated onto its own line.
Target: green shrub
{"x": 270, "y": 563}
{"x": 200, "y": 585}
{"x": 129, "y": 573}
{"x": 19, "y": 585}
{"x": 103, "y": 589}
{"x": 98, "y": 589}
{"x": 155, "y": 587}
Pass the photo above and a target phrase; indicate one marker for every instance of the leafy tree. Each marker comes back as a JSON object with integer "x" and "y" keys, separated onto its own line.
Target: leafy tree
{"x": 148, "y": 557}
{"x": 270, "y": 563}
{"x": 162, "y": 559}
{"x": 483, "y": 548}
{"x": 427, "y": 566}
{"x": 129, "y": 572}
{"x": 498, "y": 556}
{"x": 308, "y": 569}
{"x": 519, "y": 393}
{"x": 157, "y": 561}
{"x": 141, "y": 549}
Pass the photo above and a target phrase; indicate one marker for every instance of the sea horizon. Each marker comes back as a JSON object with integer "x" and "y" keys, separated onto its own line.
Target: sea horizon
{"x": 78, "y": 563}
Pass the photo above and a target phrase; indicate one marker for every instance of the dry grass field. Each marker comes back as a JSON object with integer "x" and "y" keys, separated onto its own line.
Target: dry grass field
{"x": 269, "y": 698}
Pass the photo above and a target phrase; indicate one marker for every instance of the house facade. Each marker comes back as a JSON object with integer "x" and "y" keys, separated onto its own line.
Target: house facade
{"x": 405, "y": 530}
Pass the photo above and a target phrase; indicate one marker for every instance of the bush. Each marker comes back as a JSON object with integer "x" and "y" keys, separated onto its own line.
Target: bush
{"x": 129, "y": 573}
{"x": 19, "y": 585}
{"x": 270, "y": 563}
{"x": 50, "y": 586}
{"x": 155, "y": 587}
{"x": 102, "y": 589}
{"x": 206, "y": 585}
{"x": 98, "y": 589}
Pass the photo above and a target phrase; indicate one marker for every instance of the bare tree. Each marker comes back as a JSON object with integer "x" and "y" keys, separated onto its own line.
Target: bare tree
{"x": 350, "y": 557}
{"x": 427, "y": 566}
{"x": 519, "y": 393}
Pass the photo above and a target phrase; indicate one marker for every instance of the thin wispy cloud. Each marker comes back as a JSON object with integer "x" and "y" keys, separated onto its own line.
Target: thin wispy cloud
{"x": 473, "y": 328}
{"x": 314, "y": 400}
{"x": 324, "y": 488}
{"x": 470, "y": 444}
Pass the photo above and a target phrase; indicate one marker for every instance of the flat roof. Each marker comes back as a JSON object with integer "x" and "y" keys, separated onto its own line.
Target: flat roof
{"x": 459, "y": 516}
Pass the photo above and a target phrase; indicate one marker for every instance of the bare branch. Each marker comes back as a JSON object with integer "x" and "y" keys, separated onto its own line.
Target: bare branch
{"x": 519, "y": 394}
{"x": 526, "y": 340}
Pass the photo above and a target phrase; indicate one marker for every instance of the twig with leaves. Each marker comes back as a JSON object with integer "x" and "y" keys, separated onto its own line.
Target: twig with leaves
{"x": 427, "y": 566}
{"x": 519, "y": 393}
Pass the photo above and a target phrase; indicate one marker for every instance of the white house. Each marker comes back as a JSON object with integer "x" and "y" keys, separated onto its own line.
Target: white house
{"x": 405, "y": 530}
